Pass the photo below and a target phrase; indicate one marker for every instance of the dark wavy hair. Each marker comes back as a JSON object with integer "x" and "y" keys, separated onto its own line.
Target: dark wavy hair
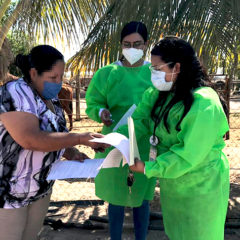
{"x": 191, "y": 76}
{"x": 41, "y": 57}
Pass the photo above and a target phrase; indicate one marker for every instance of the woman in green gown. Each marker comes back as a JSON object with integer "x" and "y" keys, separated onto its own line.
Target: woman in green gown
{"x": 112, "y": 91}
{"x": 187, "y": 123}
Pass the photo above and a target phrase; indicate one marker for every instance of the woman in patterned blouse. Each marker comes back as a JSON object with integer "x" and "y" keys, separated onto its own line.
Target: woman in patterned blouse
{"x": 33, "y": 135}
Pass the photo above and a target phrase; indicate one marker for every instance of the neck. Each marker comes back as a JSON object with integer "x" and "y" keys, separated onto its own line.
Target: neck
{"x": 49, "y": 104}
{"x": 137, "y": 64}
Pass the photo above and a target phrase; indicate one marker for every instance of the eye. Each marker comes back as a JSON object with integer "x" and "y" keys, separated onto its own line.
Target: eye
{"x": 127, "y": 44}
{"x": 137, "y": 44}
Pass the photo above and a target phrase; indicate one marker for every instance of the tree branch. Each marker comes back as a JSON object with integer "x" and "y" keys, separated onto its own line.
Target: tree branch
{"x": 4, "y": 7}
{"x": 11, "y": 19}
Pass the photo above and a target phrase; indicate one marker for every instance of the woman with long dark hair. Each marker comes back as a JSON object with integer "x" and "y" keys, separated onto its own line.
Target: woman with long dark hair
{"x": 185, "y": 121}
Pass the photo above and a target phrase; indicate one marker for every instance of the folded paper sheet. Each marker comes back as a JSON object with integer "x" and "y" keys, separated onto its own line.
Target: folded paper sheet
{"x": 124, "y": 119}
{"x": 133, "y": 148}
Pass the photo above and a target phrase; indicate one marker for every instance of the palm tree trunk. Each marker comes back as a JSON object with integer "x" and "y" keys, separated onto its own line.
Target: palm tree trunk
{"x": 11, "y": 19}
{"x": 4, "y": 7}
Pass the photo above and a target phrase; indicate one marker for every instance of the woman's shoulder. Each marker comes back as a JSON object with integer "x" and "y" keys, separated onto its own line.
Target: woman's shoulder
{"x": 21, "y": 91}
{"x": 205, "y": 93}
{"x": 14, "y": 85}
{"x": 150, "y": 94}
{"x": 108, "y": 68}
{"x": 205, "y": 97}
{"x": 104, "y": 72}
{"x": 117, "y": 65}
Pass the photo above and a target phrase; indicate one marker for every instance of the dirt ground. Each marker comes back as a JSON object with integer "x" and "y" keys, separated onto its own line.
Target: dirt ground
{"x": 74, "y": 208}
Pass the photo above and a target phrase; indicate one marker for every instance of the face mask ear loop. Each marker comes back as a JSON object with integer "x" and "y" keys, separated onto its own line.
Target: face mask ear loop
{"x": 172, "y": 74}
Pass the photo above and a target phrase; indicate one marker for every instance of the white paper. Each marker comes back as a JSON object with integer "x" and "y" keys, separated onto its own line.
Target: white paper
{"x": 133, "y": 148}
{"x": 74, "y": 169}
{"x": 116, "y": 140}
{"x": 124, "y": 119}
{"x": 126, "y": 150}
{"x": 127, "y": 147}
{"x": 113, "y": 159}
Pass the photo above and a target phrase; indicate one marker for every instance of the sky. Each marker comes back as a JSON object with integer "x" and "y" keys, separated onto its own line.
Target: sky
{"x": 67, "y": 51}
{"x": 62, "y": 46}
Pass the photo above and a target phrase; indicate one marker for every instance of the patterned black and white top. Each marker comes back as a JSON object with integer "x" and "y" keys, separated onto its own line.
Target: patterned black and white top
{"x": 23, "y": 172}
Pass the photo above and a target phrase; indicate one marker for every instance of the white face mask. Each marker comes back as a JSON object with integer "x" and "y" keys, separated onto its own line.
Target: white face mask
{"x": 159, "y": 82}
{"x": 132, "y": 54}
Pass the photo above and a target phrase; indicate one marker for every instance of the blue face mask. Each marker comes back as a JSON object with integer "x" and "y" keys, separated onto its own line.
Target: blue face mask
{"x": 51, "y": 90}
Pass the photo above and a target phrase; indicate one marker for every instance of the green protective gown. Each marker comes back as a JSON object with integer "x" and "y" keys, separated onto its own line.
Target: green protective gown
{"x": 193, "y": 171}
{"x": 117, "y": 88}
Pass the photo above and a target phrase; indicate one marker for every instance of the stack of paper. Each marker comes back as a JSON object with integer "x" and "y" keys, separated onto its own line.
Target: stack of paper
{"x": 75, "y": 169}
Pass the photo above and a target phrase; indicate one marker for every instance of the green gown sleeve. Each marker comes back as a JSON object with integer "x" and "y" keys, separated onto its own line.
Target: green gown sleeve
{"x": 201, "y": 129}
{"x": 96, "y": 95}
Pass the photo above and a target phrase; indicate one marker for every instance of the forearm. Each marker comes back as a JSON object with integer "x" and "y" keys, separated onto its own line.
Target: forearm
{"x": 24, "y": 129}
{"x": 52, "y": 141}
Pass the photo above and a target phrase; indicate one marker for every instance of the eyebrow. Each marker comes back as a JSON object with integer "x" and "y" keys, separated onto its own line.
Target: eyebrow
{"x": 132, "y": 42}
{"x": 160, "y": 65}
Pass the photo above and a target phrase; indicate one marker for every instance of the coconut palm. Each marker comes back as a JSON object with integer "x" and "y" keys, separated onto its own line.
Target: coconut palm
{"x": 211, "y": 26}
{"x": 49, "y": 18}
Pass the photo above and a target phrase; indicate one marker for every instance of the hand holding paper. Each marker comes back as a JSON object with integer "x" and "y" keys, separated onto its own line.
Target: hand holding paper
{"x": 127, "y": 147}
{"x": 96, "y": 146}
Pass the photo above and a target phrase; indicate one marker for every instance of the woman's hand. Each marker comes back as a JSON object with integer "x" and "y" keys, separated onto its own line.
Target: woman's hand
{"x": 138, "y": 166}
{"x": 74, "y": 154}
{"x": 97, "y": 147}
{"x": 106, "y": 117}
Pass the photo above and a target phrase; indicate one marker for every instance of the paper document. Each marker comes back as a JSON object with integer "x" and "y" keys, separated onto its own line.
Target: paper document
{"x": 133, "y": 148}
{"x": 127, "y": 147}
{"x": 113, "y": 159}
{"x": 126, "y": 150}
{"x": 74, "y": 169}
{"x": 116, "y": 140}
{"x": 124, "y": 119}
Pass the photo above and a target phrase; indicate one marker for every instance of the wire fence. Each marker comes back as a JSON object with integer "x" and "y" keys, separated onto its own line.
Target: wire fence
{"x": 229, "y": 90}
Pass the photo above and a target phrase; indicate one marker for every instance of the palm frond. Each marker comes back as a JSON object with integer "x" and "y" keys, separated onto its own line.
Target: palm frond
{"x": 60, "y": 19}
{"x": 211, "y": 26}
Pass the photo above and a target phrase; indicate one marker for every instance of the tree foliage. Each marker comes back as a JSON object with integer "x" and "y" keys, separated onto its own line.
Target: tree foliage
{"x": 57, "y": 19}
{"x": 211, "y": 26}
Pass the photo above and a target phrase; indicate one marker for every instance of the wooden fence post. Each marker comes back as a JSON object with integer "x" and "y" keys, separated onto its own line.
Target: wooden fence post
{"x": 78, "y": 85}
{"x": 227, "y": 97}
